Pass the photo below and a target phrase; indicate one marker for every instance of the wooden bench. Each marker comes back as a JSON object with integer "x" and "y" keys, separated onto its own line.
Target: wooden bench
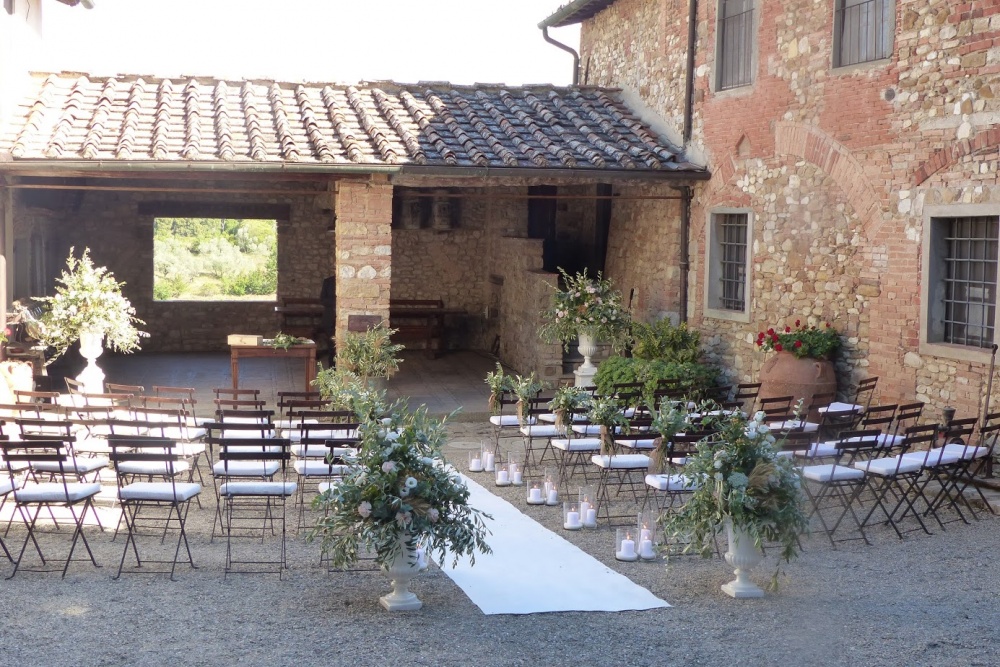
{"x": 301, "y": 317}
{"x": 418, "y": 320}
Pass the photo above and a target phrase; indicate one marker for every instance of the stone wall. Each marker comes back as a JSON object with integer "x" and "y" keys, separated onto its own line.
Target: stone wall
{"x": 644, "y": 252}
{"x": 836, "y": 164}
{"x": 109, "y": 223}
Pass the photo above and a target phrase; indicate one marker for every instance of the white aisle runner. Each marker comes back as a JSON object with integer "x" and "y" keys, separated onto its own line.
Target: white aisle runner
{"x": 533, "y": 570}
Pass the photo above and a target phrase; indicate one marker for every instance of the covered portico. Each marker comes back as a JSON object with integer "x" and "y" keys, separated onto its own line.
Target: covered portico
{"x": 469, "y": 195}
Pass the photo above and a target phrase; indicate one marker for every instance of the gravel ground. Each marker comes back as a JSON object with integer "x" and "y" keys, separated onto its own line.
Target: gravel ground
{"x": 926, "y": 600}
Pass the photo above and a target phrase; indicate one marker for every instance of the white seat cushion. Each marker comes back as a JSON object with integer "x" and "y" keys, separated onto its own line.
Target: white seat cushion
{"x": 257, "y": 489}
{"x": 671, "y": 482}
{"x": 245, "y": 468}
{"x": 151, "y": 467}
{"x": 318, "y": 468}
{"x": 808, "y": 427}
{"x": 577, "y": 444}
{"x": 888, "y": 466}
{"x": 182, "y": 433}
{"x": 621, "y": 461}
{"x": 831, "y": 473}
{"x": 509, "y": 420}
{"x": 164, "y": 491}
{"x": 967, "y": 453}
{"x": 939, "y": 456}
{"x": 6, "y": 485}
{"x": 644, "y": 443}
{"x": 79, "y": 465}
{"x": 837, "y": 406}
{"x": 318, "y": 451}
{"x": 55, "y": 492}
{"x": 330, "y": 433}
{"x": 288, "y": 424}
{"x": 541, "y": 430}
{"x": 587, "y": 429}
{"x": 550, "y": 417}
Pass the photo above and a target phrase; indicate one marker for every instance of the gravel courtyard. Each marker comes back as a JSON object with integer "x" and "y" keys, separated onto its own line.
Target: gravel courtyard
{"x": 926, "y": 600}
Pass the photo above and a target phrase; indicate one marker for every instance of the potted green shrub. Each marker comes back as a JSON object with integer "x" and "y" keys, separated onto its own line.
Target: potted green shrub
{"x": 370, "y": 355}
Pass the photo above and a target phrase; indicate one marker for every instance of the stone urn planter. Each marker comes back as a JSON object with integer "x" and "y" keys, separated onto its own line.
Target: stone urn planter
{"x": 786, "y": 375}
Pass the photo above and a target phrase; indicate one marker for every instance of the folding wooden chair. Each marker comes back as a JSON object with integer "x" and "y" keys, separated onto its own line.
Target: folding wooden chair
{"x": 533, "y": 430}
{"x": 163, "y": 504}
{"x": 251, "y": 506}
{"x": 507, "y": 423}
{"x": 32, "y": 496}
{"x": 893, "y": 473}
{"x": 840, "y": 482}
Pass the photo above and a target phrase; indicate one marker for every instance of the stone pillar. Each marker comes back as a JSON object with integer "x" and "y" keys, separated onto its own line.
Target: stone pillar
{"x": 363, "y": 249}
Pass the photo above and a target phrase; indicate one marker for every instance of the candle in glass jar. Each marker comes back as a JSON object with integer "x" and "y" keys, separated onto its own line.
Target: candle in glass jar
{"x": 627, "y": 551}
{"x": 535, "y": 496}
{"x": 572, "y": 520}
{"x": 548, "y": 487}
{"x": 584, "y": 506}
{"x": 476, "y": 465}
{"x": 645, "y": 534}
{"x": 516, "y": 477}
{"x": 489, "y": 461}
{"x": 503, "y": 478}
{"x": 590, "y": 518}
{"x": 553, "y": 497}
{"x": 646, "y": 549}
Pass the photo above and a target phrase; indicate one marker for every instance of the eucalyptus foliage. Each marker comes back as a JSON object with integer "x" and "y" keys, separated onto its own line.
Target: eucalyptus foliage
{"x": 400, "y": 487}
{"x": 738, "y": 476}
{"x": 371, "y": 354}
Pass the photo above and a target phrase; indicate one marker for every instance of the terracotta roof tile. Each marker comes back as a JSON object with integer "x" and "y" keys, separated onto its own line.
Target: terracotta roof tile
{"x": 73, "y": 118}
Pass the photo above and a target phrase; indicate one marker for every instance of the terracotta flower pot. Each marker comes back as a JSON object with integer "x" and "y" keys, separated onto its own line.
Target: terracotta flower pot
{"x": 785, "y": 375}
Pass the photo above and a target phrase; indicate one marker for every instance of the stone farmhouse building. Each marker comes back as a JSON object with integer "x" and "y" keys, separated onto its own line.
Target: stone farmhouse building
{"x": 853, "y": 147}
{"x": 468, "y": 194}
{"x": 737, "y": 164}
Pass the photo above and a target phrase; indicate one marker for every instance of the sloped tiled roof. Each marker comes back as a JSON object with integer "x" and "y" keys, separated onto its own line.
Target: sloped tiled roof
{"x": 262, "y": 124}
{"x": 575, "y": 12}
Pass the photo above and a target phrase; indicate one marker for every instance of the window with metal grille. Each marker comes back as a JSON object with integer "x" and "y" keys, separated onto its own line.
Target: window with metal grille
{"x": 970, "y": 280}
{"x": 863, "y": 31}
{"x": 732, "y": 261}
{"x": 735, "y": 44}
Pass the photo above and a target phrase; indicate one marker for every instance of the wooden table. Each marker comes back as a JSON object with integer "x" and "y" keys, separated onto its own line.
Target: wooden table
{"x": 304, "y": 351}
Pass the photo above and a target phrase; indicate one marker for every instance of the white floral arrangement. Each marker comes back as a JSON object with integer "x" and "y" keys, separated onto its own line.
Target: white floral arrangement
{"x": 88, "y": 299}
{"x": 399, "y": 488}
{"x": 590, "y": 306}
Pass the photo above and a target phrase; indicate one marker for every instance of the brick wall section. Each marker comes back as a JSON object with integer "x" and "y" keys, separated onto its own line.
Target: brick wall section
{"x": 363, "y": 249}
{"x": 836, "y": 163}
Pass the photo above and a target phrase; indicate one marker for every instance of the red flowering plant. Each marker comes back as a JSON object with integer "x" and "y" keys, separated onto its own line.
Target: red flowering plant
{"x": 805, "y": 342}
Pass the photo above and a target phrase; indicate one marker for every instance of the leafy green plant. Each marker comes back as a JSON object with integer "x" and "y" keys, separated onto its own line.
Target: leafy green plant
{"x": 284, "y": 341}
{"x": 259, "y": 282}
{"x": 400, "y": 489}
{"x": 568, "y": 399}
{"x": 695, "y": 378}
{"x": 371, "y": 354}
{"x": 498, "y": 383}
{"x": 738, "y": 476}
{"x": 608, "y": 413}
{"x": 586, "y": 305}
{"x": 662, "y": 340}
{"x": 525, "y": 387}
{"x": 88, "y": 299}
{"x": 805, "y": 342}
